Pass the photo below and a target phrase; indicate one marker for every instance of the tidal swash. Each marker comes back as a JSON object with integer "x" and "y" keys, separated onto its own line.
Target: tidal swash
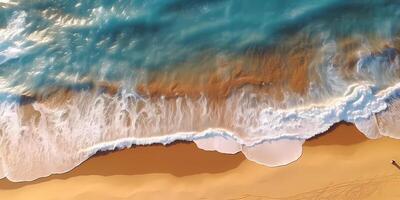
{"x": 261, "y": 77}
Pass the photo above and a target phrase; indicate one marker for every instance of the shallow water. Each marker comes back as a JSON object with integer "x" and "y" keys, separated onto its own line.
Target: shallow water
{"x": 77, "y": 77}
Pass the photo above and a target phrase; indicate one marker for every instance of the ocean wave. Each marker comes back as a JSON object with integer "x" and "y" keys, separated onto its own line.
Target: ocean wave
{"x": 58, "y": 135}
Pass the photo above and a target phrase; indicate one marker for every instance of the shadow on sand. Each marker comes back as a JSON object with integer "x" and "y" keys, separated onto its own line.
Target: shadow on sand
{"x": 394, "y": 163}
{"x": 179, "y": 159}
{"x": 342, "y": 133}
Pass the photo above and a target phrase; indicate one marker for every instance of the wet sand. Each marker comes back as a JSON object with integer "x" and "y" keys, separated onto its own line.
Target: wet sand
{"x": 342, "y": 164}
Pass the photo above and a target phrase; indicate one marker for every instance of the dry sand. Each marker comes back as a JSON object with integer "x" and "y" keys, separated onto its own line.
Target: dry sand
{"x": 339, "y": 165}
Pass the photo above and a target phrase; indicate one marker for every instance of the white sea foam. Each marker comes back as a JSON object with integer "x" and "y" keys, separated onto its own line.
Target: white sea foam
{"x": 369, "y": 127}
{"x": 388, "y": 121}
{"x": 56, "y": 138}
{"x": 274, "y": 153}
{"x": 219, "y": 143}
{"x": 2, "y": 175}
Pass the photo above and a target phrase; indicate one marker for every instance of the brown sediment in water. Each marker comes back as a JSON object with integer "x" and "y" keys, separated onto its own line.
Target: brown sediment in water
{"x": 275, "y": 71}
{"x": 327, "y": 168}
{"x": 58, "y": 96}
{"x": 269, "y": 70}
{"x": 261, "y": 72}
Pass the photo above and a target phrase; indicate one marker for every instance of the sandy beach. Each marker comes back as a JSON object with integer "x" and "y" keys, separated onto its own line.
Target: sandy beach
{"x": 340, "y": 164}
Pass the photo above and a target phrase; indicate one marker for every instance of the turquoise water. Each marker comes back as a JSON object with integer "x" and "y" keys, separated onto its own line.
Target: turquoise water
{"x": 108, "y": 40}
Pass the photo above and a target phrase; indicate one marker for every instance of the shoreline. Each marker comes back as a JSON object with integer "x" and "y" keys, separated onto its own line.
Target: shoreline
{"x": 338, "y": 154}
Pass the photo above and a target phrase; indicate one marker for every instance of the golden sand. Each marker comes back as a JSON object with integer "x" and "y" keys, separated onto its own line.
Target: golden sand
{"x": 338, "y": 165}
